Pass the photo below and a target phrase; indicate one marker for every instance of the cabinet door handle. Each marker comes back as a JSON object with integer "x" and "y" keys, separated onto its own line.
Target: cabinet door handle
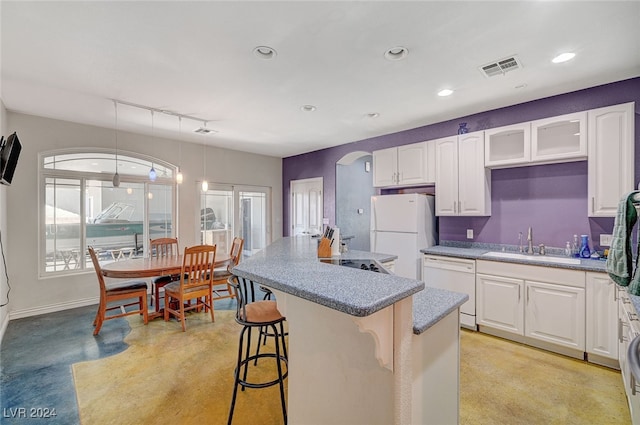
{"x": 593, "y": 204}
{"x": 620, "y": 336}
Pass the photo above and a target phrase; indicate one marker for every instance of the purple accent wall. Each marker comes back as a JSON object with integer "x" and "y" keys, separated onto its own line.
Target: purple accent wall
{"x": 550, "y": 198}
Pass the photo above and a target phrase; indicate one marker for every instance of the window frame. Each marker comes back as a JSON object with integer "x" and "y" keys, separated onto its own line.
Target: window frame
{"x": 83, "y": 177}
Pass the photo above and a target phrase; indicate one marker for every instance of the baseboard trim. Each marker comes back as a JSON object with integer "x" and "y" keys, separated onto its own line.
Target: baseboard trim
{"x": 52, "y": 308}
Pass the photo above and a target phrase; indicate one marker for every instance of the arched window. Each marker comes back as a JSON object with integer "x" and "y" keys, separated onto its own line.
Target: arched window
{"x": 80, "y": 207}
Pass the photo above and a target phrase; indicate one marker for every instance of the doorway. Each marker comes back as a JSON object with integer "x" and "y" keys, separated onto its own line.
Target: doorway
{"x": 306, "y": 206}
{"x": 354, "y": 188}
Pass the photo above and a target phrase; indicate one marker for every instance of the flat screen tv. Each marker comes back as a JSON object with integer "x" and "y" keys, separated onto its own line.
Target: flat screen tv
{"x": 9, "y": 158}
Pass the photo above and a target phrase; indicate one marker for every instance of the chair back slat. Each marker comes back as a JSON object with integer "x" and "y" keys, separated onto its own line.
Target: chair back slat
{"x": 245, "y": 293}
{"x": 163, "y": 247}
{"x": 236, "y": 253}
{"x": 197, "y": 266}
{"x": 98, "y": 269}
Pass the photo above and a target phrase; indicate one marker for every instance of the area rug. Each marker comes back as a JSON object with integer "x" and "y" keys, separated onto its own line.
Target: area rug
{"x": 167, "y": 376}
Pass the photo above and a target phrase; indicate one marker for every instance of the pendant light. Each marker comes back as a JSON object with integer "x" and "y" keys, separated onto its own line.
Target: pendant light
{"x": 152, "y": 172}
{"x": 205, "y": 184}
{"x": 116, "y": 176}
{"x": 179, "y": 176}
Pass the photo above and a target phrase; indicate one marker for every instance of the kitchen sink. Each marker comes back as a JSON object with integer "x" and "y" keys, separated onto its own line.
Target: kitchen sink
{"x": 536, "y": 258}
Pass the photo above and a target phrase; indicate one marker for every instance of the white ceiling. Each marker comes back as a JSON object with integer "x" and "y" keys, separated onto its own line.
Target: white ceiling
{"x": 66, "y": 60}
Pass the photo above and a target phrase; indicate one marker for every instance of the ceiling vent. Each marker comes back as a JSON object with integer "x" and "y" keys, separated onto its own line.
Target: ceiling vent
{"x": 204, "y": 130}
{"x": 501, "y": 67}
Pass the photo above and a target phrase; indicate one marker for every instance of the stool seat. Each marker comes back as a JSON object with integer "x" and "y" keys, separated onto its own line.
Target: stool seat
{"x": 262, "y": 312}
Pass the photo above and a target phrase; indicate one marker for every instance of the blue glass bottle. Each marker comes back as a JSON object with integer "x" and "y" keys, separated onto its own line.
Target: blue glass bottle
{"x": 585, "y": 252}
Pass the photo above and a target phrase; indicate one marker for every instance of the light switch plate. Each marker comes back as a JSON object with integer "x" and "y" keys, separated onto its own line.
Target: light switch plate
{"x": 469, "y": 233}
{"x": 605, "y": 240}
{"x": 325, "y": 220}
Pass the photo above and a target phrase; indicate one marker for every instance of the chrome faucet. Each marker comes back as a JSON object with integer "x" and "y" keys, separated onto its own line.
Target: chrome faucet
{"x": 530, "y": 241}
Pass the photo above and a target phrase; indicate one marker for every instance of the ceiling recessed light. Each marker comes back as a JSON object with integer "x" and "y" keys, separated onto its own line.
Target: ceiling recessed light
{"x": 308, "y": 108}
{"x": 445, "y": 92}
{"x": 373, "y": 115}
{"x": 520, "y": 86}
{"x": 396, "y": 53}
{"x": 265, "y": 52}
{"x": 563, "y": 57}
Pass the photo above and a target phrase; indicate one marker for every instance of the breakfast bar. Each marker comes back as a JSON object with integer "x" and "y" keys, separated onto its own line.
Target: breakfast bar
{"x": 364, "y": 347}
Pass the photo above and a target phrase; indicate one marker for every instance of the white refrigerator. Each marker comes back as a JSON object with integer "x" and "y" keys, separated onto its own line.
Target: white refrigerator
{"x": 402, "y": 225}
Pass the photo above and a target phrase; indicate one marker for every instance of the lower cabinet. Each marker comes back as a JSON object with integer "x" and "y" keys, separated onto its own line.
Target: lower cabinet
{"x": 555, "y": 314}
{"x": 499, "y": 303}
{"x": 540, "y": 306}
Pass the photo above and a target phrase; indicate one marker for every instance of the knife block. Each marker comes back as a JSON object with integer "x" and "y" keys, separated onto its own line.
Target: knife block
{"x": 324, "y": 248}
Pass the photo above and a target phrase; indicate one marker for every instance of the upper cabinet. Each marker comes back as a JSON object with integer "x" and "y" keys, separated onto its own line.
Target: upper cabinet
{"x": 463, "y": 184}
{"x": 559, "y": 139}
{"x": 408, "y": 165}
{"x": 611, "y": 158}
{"x": 508, "y": 146}
{"x": 546, "y": 141}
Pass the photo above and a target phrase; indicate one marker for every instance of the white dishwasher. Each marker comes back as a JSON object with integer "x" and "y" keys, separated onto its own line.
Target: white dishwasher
{"x": 453, "y": 274}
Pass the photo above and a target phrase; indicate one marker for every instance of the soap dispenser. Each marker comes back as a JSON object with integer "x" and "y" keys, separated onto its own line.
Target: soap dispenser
{"x": 585, "y": 252}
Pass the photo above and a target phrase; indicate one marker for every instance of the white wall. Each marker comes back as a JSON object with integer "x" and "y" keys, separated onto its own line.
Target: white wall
{"x": 31, "y": 295}
{"x": 4, "y": 311}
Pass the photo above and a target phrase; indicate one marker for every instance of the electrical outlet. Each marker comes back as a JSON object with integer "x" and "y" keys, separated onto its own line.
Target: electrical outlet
{"x": 605, "y": 240}
{"x": 469, "y": 233}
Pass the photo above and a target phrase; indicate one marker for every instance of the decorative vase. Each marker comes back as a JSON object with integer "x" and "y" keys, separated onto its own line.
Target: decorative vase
{"x": 463, "y": 128}
{"x": 585, "y": 252}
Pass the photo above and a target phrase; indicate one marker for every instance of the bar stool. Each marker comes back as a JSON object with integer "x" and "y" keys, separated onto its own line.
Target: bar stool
{"x": 252, "y": 313}
{"x": 264, "y": 330}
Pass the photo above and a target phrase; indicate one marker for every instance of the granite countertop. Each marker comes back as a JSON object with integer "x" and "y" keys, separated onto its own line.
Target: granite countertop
{"x": 291, "y": 265}
{"x": 477, "y": 251}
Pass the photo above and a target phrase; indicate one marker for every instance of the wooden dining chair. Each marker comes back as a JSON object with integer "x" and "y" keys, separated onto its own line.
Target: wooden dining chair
{"x": 221, "y": 287}
{"x": 118, "y": 292}
{"x": 196, "y": 282}
{"x": 162, "y": 247}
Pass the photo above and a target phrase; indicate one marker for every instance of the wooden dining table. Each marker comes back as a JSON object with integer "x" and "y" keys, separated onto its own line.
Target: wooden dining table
{"x": 135, "y": 268}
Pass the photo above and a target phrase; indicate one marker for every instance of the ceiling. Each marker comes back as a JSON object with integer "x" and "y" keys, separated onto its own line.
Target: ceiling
{"x": 69, "y": 60}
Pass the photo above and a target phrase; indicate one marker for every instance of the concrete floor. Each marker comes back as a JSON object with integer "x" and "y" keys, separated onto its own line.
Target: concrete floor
{"x": 498, "y": 379}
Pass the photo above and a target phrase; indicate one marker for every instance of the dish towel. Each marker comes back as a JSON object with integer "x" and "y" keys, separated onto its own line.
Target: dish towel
{"x": 620, "y": 259}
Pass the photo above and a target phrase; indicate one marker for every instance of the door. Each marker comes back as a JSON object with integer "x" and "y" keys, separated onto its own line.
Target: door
{"x": 446, "y": 176}
{"x": 499, "y": 303}
{"x": 397, "y": 213}
{"x": 405, "y": 246}
{"x": 412, "y": 164}
{"x": 602, "y": 316}
{"x": 556, "y": 314}
{"x": 254, "y": 217}
{"x": 385, "y": 167}
{"x": 227, "y": 211}
{"x": 474, "y": 180}
{"x": 306, "y": 210}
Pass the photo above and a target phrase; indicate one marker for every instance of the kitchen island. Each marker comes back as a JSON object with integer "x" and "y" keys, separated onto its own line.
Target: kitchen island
{"x": 364, "y": 347}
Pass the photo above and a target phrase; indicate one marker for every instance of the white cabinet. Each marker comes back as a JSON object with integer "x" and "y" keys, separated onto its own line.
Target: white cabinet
{"x": 407, "y": 165}
{"x": 559, "y": 139}
{"x": 611, "y": 158}
{"x": 508, "y": 146}
{"x": 385, "y": 167}
{"x": 500, "y": 303}
{"x": 602, "y": 319}
{"x": 463, "y": 184}
{"x": 540, "y": 306}
{"x": 550, "y": 140}
{"x": 555, "y": 314}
